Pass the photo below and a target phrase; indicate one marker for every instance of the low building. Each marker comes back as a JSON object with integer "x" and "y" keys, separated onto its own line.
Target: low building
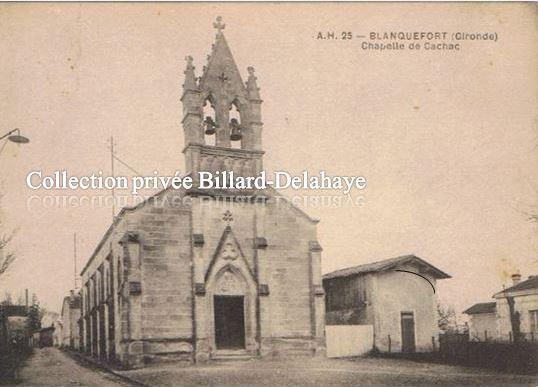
{"x": 57, "y": 335}
{"x": 482, "y": 321}
{"x": 69, "y": 333}
{"x": 46, "y": 337}
{"x": 515, "y": 306}
{"x": 396, "y": 296}
{"x": 15, "y": 326}
{"x": 524, "y": 295}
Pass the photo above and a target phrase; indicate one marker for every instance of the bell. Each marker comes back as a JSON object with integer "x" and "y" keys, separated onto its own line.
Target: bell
{"x": 210, "y": 125}
{"x": 236, "y": 130}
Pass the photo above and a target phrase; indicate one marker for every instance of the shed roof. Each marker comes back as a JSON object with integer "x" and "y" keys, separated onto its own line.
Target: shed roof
{"x": 386, "y": 265}
{"x": 482, "y": 307}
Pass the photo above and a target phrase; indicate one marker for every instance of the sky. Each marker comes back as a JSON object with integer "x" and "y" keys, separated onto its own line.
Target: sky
{"x": 446, "y": 140}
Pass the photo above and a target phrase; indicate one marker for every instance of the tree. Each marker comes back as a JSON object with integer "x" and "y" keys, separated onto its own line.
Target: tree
{"x": 35, "y": 313}
{"x": 6, "y": 257}
{"x": 446, "y": 320}
{"x": 515, "y": 320}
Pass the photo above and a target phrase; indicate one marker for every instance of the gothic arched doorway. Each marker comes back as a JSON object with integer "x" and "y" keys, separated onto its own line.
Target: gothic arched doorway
{"x": 232, "y": 310}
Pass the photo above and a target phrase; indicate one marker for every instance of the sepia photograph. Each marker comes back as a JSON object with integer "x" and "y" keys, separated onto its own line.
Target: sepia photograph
{"x": 269, "y": 194}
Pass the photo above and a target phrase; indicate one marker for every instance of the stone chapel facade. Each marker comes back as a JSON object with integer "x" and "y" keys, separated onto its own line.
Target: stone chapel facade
{"x": 199, "y": 274}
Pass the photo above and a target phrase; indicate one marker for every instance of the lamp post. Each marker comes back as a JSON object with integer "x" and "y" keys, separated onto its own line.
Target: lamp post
{"x": 17, "y": 138}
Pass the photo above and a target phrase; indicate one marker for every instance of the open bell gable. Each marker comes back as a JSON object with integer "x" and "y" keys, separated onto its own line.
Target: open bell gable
{"x": 220, "y": 104}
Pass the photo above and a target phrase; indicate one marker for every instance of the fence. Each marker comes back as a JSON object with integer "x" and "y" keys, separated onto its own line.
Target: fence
{"x": 349, "y": 340}
{"x": 504, "y": 338}
{"x": 514, "y": 357}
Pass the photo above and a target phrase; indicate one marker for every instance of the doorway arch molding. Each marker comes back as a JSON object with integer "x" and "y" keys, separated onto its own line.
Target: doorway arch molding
{"x": 229, "y": 277}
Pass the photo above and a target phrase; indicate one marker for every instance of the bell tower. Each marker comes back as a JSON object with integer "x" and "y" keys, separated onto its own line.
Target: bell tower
{"x": 220, "y": 104}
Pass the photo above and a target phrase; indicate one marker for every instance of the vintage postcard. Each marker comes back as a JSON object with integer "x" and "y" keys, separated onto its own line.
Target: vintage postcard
{"x": 269, "y": 194}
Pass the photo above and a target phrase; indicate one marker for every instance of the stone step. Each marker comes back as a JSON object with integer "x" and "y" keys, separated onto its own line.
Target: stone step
{"x": 232, "y": 355}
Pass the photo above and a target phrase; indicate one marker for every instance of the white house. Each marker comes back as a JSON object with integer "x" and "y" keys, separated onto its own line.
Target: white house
{"x": 492, "y": 320}
{"x": 525, "y": 297}
{"x": 396, "y": 296}
{"x": 482, "y": 321}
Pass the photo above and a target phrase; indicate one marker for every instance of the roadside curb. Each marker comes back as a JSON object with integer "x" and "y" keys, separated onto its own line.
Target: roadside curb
{"x": 96, "y": 364}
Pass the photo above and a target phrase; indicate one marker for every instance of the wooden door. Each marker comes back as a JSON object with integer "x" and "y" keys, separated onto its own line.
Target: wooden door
{"x": 229, "y": 322}
{"x": 408, "y": 332}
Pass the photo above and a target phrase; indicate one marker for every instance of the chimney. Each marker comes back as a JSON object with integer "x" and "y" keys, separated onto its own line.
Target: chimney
{"x": 516, "y": 277}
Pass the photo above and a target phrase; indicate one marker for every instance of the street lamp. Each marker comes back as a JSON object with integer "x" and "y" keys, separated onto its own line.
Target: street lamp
{"x": 16, "y": 138}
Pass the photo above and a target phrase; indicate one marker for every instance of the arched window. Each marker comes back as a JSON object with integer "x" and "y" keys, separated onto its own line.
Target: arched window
{"x": 235, "y": 125}
{"x": 119, "y": 266}
{"x": 210, "y": 122}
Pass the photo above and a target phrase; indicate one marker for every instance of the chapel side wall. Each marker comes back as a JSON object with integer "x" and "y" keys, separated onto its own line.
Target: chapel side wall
{"x": 397, "y": 292}
{"x": 291, "y": 304}
{"x": 109, "y": 247}
{"x": 117, "y": 253}
{"x": 166, "y": 318}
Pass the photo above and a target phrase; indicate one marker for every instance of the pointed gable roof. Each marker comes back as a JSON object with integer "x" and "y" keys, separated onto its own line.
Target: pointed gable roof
{"x": 227, "y": 235}
{"x": 386, "y": 265}
{"x": 221, "y": 72}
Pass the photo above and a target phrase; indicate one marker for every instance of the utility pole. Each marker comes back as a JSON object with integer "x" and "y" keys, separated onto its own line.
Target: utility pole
{"x": 75, "y": 259}
{"x": 112, "y": 173}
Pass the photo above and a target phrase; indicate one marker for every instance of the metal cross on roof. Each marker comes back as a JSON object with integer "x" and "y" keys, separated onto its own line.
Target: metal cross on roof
{"x": 219, "y": 25}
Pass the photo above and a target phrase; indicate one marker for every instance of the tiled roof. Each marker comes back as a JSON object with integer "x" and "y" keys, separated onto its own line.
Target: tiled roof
{"x": 531, "y": 283}
{"x": 387, "y": 264}
{"x": 483, "y": 307}
{"x": 13, "y": 310}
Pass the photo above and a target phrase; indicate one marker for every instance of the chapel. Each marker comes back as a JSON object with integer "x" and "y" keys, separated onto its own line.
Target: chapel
{"x": 195, "y": 275}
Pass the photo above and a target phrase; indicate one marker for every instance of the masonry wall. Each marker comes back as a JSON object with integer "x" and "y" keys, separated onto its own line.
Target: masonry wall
{"x": 288, "y": 266}
{"x": 482, "y": 323}
{"x": 523, "y": 303}
{"x": 101, "y": 322}
{"x": 64, "y": 331}
{"x": 294, "y": 313}
{"x": 141, "y": 289}
{"x": 74, "y": 339}
{"x": 396, "y": 292}
{"x": 166, "y": 316}
{"x": 288, "y": 315}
